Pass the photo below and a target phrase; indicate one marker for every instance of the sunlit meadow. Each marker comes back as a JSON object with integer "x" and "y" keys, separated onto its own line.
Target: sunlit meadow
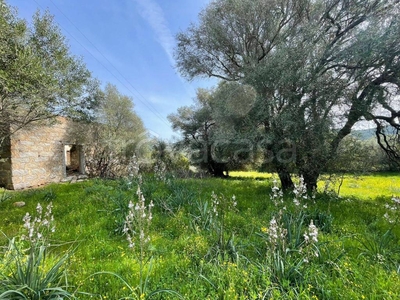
{"x": 238, "y": 238}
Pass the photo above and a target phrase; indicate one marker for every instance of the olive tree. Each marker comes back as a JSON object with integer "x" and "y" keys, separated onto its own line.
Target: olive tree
{"x": 114, "y": 135}
{"x": 215, "y": 131}
{"x": 39, "y": 77}
{"x": 318, "y": 67}
{"x": 197, "y": 127}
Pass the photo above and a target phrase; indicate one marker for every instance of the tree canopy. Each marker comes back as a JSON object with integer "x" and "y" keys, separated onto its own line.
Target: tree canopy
{"x": 215, "y": 131}
{"x": 39, "y": 77}
{"x": 318, "y": 68}
{"x": 114, "y": 136}
{"x": 198, "y": 129}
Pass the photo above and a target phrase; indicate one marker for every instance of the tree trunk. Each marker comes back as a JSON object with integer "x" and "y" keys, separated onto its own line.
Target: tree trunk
{"x": 310, "y": 180}
{"x": 219, "y": 172}
{"x": 285, "y": 178}
{"x": 217, "y": 169}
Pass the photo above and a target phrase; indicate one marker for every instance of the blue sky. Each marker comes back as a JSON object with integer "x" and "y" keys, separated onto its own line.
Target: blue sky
{"x": 130, "y": 44}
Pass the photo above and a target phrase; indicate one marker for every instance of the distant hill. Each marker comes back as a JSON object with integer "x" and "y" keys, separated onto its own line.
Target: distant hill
{"x": 366, "y": 134}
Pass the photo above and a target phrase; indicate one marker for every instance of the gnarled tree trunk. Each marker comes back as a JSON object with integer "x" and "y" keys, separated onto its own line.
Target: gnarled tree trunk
{"x": 285, "y": 178}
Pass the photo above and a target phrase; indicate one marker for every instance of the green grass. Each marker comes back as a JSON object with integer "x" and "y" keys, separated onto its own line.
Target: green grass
{"x": 362, "y": 187}
{"x": 371, "y": 186}
{"x": 251, "y": 174}
{"x": 357, "y": 259}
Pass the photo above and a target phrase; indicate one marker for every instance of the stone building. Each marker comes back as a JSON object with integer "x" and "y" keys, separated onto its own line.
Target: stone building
{"x": 40, "y": 154}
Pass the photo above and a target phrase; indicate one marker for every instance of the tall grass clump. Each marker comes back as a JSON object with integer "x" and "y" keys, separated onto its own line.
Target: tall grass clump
{"x": 291, "y": 241}
{"x": 211, "y": 217}
{"x": 384, "y": 248}
{"x": 137, "y": 229}
{"x": 28, "y": 271}
{"x": 223, "y": 247}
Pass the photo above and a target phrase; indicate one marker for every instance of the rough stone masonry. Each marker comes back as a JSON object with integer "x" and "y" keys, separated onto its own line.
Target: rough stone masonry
{"x": 38, "y": 155}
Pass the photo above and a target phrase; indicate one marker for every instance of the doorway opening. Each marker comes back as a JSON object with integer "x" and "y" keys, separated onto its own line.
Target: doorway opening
{"x": 74, "y": 160}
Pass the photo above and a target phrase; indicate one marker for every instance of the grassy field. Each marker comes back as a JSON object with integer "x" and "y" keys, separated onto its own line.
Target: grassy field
{"x": 215, "y": 239}
{"x": 362, "y": 187}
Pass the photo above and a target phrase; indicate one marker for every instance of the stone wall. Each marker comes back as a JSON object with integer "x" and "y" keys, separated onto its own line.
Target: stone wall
{"x": 5, "y": 164}
{"x": 37, "y": 154}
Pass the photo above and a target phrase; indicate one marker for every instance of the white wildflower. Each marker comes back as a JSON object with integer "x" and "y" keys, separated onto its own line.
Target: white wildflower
{"x": 273, "y": 231}
{"x": 313, "y": 232}
{"x": 306, "y": 237}
{"x": 137, "y": 221}
{"x": 39, "y": 225}
{"x": 39, "y": 209}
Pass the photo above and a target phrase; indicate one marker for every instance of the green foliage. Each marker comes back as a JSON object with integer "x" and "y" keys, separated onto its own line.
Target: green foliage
{"x": 31, "y": 276}
{"x": 167, "y": 160}
{"x": 213, "y": 131}
{"x": 4, "y": 196}
{"x": 223, "y": 246}
{"x": 198, "y": 129}
{"x": 383, "y": 249}
{"x": 185, "y": 254}
{"x": 201, "y": 217}
{"x": 352, "y": 153}
{"x": 292, "y": 244}
{"x": 315, "y": 68}
{"x": 39, "y": 77}
{"x": 322, "y": 219}
{"x": 114, "y": 138}
{"x": 28, "y": 272}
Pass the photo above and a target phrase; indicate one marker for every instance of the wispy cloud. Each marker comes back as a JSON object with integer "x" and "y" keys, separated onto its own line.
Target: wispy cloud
{"x": 154, "y": 15}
